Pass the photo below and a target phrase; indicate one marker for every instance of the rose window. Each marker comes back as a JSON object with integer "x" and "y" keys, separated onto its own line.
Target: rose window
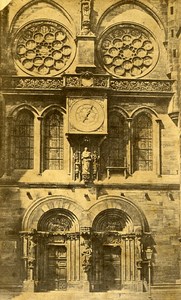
{"x": 44, "y": 48}
{"x": 128, "y": 51}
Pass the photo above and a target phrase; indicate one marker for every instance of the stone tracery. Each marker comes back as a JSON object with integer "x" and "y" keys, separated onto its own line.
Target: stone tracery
{"x": 44, "y": 48}
{"x": 128, "y": 50}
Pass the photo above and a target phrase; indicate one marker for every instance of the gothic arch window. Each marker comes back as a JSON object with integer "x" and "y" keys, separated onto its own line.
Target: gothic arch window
{"x": 23, "y": 134}
{"x": 53, "y": 141}
{"x": 113, "y": 150}
{"x": 143, "y": 143}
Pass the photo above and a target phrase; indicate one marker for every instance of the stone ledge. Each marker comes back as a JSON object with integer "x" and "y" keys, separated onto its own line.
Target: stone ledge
{"x": 57, "y": 185}
{"x": 85, "y": 80}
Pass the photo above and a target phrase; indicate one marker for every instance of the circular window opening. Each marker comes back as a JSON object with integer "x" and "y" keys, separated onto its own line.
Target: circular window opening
{"x": 127, "y": 51}
{"x": 43, "y": 48}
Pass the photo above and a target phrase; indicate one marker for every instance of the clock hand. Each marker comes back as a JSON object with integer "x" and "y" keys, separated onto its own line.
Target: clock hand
{"x": 88, "y": 114}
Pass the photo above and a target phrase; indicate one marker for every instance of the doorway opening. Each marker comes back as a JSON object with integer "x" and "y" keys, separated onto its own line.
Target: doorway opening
{"x": 56, "y": 273}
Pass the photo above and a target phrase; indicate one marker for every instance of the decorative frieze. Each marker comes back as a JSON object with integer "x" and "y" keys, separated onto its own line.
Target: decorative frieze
{"x": 73, "y": 81}
{"x": 141, "y": 85}
{"x": 83, "y": 80}
{"x": 32, "y": 83}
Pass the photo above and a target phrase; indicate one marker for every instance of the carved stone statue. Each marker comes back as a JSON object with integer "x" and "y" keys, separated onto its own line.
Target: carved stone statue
{"x": 86, "y": 164}
{"x": 31, "y": 248}
{"x": 86, "y": 12}
{"x": 86, "y": 257}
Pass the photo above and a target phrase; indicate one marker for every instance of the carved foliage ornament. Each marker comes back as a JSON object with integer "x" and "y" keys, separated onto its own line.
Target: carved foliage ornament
{"x": 128, "y": 50}
{"x": 43, "y": 48}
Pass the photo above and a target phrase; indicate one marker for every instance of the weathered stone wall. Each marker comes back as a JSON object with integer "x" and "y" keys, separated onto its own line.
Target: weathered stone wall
{"x": 161, "y": 211}
{"x": 157, "y": 197}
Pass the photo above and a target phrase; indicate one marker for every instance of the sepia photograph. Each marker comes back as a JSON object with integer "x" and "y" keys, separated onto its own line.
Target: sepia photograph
{"x": 90, "y": 95}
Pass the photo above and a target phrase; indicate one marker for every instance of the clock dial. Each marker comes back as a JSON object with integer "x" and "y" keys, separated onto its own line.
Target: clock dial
{"x": 86, "y": 115}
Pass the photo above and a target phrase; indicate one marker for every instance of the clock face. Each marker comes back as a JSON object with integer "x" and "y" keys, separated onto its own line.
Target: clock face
{"x": 86, "y": 115}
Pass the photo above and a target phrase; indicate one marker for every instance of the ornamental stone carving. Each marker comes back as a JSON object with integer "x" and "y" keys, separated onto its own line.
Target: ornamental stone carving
{"x": 40, "y": 83}
{"x": 87, "y": 257}
{"x": 86, "y": 248}
{"x": 101, "y": 81}
{"x": 128, "y": 50}
{"x": 86, "y": 164}
{"x": 141, "y": 85}
{"x": 77, "y": 165}
{"x": 95, "y": 165}
{"x": 86, "y": 14}
{"x": 59, "y": 223}
{"x": 43, "y": 48}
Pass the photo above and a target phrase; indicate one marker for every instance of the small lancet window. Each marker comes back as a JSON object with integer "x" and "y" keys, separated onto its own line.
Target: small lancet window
{"x": 114, "y": 147}
{"x": 23, "y": 133}
{"x": 53, "y": 141}
{"x": 143, "y": 143}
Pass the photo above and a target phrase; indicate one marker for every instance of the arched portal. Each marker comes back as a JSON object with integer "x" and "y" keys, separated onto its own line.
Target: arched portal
{"x": 56, "y": 251}
{"x": 120, "y": 237}
{"x": 51, "y": 244}
{"x": 102, "y": 248}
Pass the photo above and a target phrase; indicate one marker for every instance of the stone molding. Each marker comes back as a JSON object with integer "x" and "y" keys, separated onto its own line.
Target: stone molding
{"x": 127, "y": 206}
{"x": 85, "y": 80}
{"x": 42, "y": 205}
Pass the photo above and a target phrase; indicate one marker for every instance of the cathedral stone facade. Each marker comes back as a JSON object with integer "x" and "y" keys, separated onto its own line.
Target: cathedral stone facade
{"x": 89, "y": 145}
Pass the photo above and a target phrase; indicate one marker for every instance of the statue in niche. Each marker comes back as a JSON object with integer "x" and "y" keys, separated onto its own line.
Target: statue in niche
{"x": 86, "y": 164}
{"x": 31, "y": 254}
{"x": 86, "y": 256}
{"x": 86, "y": 12}
{"x": 31, "y": 248}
